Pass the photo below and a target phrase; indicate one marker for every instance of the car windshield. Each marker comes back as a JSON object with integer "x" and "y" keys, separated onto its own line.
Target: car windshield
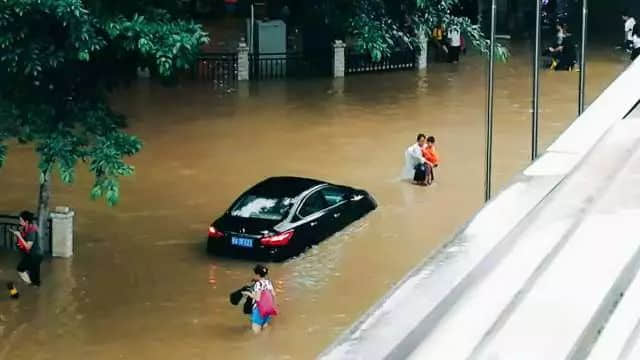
{"x": 262, "y": 207}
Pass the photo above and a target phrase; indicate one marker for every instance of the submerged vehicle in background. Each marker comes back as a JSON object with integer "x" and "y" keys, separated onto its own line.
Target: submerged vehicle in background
{"x": 280, "y": 217}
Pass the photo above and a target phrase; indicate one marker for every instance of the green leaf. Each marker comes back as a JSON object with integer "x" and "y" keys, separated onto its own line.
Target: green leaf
{"x": 96, "y": 192}
{"x": 83, "y": 55}
{"x": 376, "y": 55}
{"x": 67, "y": 172}
{"x": 113, "y": 197}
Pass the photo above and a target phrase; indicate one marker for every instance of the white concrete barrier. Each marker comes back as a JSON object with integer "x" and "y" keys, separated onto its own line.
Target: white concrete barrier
{"x": 459, "y": 301}
{"x": 559, "y": 313}
{"x": 535, "y": 243}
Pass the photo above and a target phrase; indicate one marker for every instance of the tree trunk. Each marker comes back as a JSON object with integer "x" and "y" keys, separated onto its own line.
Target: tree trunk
{"x": 43, "y": 211}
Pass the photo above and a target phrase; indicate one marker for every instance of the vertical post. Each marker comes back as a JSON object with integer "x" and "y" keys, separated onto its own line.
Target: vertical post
{"x": 251, "y": 29}
{"x": 489, "y": 142}
{"x": 583, "y": 62}
{"x": 255, "y": 55}
{"x": 536, "y": 83}
{"x": 421, "y": 54}
{"x": 338, "y": 59}
{"x": 62, "y": 232}
{"x": 243, "y": 61}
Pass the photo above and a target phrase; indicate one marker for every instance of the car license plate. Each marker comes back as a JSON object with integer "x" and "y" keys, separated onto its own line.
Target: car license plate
{"x": 243, "y": 242}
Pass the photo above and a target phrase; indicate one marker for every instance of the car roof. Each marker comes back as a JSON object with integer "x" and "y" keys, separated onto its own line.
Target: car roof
{"x": 284, "y": 186}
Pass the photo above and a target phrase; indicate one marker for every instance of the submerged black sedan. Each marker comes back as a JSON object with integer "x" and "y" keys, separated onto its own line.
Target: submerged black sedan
{"x": 282, "y": 216}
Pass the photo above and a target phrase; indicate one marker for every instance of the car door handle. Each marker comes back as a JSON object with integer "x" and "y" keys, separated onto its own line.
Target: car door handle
{"x": 313, "y": 223}
{"x": 336, "y": 215}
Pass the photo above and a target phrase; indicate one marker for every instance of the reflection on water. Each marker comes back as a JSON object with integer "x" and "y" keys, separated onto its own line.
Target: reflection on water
{"x": 140, "y": 285}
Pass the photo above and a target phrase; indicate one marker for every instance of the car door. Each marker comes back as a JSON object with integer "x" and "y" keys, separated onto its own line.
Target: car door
{"x": 339, "y": 213}
{"x": 313, "y": 222}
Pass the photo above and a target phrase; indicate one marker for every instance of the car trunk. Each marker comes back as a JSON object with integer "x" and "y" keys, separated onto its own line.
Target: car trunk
{"x": 248, "y": 226}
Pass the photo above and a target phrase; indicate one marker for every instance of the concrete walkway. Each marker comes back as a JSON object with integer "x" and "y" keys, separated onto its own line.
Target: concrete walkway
{"x": 537, "y": 273}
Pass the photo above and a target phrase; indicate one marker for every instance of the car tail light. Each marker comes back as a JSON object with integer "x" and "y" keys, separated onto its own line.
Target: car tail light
{"x": 214, "y": 233}
{"x": 281, "y": 239}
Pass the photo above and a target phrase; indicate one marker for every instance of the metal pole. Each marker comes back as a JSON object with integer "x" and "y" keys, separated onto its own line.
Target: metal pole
{"x": 536, "y": 84}
{"x": 489, "y": 142}
{"x": 583, "y": 62}
{"x": 253, "y": 21}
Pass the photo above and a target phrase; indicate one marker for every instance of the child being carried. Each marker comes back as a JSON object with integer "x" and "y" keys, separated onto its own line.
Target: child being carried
{"x": 430, "y": 154}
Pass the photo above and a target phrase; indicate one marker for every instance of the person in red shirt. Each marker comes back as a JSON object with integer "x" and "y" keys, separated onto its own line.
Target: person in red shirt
{"x": 27, "y": 241}
{"x": 429, "y": 153}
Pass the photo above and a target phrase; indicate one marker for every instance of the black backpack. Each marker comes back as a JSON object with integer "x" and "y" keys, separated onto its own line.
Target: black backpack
{"x": 236, "y": 296}
{"x": 247, "y": 308}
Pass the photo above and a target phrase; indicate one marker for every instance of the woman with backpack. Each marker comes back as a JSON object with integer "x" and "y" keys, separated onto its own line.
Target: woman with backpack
{"x": 264, "y": 299}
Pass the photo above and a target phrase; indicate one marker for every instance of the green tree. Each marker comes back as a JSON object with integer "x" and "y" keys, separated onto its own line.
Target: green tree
{"x": 58, "y": 61}
{"x": 379, "y": 26}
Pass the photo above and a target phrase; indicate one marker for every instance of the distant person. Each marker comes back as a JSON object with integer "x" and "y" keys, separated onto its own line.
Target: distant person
{"x": 429, "y": 153}
{"x": 437, "y": 37}
{"x": 455, "y": 43}
{"x": 564, "y": 53}
{"x": 635, "y": 38}
{"x": 629, "y": 24}
{"x": 261, "y": 293}
{"x": 415, "y": 165}
{"x": 568, "y": 56}
{"x": 27, "y": 240}
{"x": 562, "y": 31}
{"x": 554, "y": 50}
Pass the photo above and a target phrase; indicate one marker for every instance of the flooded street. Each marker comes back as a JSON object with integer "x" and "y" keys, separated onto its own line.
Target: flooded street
{"x": 137, "y": 287}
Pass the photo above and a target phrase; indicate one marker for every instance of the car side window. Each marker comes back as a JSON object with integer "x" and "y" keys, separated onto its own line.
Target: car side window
{"x": 314, "y": 203}
{"x": 334, "y": 195}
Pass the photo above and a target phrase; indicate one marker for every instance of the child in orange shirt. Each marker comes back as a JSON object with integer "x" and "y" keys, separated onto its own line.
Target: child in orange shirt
{"x": 430, "y": 154}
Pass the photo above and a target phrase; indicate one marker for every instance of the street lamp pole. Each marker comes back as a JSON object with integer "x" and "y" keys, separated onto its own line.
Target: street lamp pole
{"x": 536, "y": 84}
{"x": 489, "y": 130}
{"x": 251, "y": 27}
{"x": 583, "y": 62}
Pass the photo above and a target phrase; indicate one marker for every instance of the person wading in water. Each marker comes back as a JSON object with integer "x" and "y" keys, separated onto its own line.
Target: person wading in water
{"x": 27, "y": 240}
{"x": 262, "y": 288}
{"x": 416, "y": 167}
{"x": 429, "y": 153}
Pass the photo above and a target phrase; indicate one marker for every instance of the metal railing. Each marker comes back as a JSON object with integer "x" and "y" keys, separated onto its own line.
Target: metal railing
{"x": 267, "y": 66}
{"x": 220, "y": 68}
{"x": 7, "y": 239}
{"x": 397, "y": 60}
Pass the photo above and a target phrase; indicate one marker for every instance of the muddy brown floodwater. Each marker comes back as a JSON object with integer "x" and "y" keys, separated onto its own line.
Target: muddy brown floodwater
{"x": 137, "y": 287}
